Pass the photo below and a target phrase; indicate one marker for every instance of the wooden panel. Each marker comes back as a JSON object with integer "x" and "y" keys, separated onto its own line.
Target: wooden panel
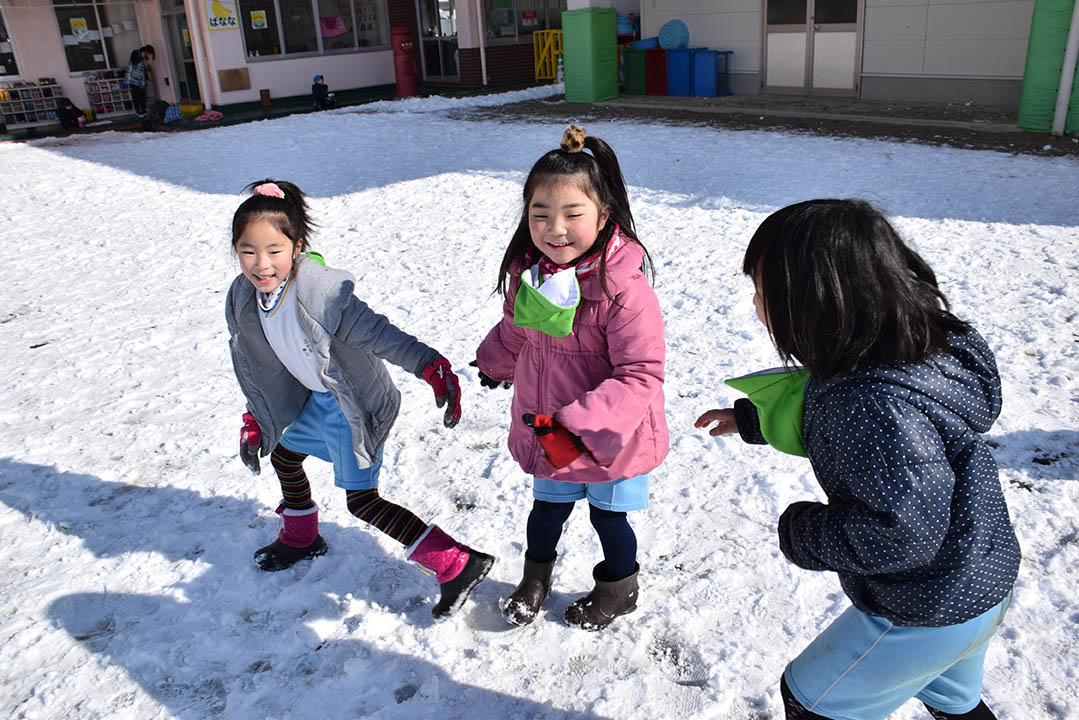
{"x": 234, "y": 79}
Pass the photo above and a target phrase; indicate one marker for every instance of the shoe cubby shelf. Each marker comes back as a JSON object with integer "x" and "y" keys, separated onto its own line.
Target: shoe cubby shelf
{"x": 109, "y": 96}
{"x": 25, "y": 106}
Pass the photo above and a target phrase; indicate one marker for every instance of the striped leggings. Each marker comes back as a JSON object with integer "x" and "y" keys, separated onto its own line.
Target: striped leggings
{"x": 393, "y": 520}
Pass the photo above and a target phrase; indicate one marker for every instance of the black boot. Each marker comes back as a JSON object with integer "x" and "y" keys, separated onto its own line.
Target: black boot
{"x": 297, "y": 539}
{"x": 524, "y": 602}
{"x": 608, "y": 600}
{"x": 278, "y": 556}
{"x": 455, "y": 592}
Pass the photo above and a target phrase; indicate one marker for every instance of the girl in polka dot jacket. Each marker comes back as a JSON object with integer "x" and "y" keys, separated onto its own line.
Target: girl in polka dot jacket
{"x": 896, "y": 395}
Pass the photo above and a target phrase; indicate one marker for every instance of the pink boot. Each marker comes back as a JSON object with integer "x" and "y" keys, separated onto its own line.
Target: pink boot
{"x": 458, "y": 568}
{"x": 297, "y": 539}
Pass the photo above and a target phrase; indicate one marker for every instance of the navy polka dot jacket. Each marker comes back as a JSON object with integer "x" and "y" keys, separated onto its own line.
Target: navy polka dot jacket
{"x": 915, "y": 524}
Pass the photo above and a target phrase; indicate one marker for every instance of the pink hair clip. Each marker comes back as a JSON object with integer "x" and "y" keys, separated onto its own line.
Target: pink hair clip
{"x": 269, "y": 189}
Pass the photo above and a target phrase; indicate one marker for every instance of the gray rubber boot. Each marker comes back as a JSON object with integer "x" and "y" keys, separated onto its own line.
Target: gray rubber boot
{"x": 608, "y": 600}
{"x": 524, "y": 602}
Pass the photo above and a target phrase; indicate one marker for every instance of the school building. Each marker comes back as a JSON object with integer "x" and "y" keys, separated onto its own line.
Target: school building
{"x": 221, "y": 52}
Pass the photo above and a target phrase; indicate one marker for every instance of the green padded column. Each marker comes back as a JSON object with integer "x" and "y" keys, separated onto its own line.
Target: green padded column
{"x": 1045, "y": 57}
{"x": 590, "y": 54}
{"x": 1071, "y": 123}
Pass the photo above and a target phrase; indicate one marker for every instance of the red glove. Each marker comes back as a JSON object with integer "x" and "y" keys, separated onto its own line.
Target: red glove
{"x": 440, "y": 376}
{"x": 250, "y": 440}
{"x": 561, "y": 446}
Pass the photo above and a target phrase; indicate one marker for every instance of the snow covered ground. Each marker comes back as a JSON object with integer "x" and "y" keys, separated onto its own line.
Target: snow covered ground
{"x": 127, "y": 522}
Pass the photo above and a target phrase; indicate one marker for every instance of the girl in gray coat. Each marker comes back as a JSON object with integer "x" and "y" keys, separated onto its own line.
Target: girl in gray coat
{"x": 308, "y": 355}
{"x": 890, "y": 414}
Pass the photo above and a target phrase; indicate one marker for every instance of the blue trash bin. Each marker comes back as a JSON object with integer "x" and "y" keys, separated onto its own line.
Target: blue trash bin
{"x": 704, "y": 72}
{"x": 680, "y": 70}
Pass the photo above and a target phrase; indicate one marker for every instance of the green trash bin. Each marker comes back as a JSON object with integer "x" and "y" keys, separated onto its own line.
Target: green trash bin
{"x": 633, "y": 70}
{"x": 590, "y": 54}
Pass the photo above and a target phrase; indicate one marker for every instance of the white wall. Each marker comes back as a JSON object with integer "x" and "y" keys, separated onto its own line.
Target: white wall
{"x": 973, "y": 38}
{"x": 716, "y": 24}
{"x": 950, "y": 38}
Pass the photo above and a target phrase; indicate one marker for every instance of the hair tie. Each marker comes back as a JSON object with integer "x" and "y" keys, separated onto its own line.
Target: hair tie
{"x": 573, "y": 139}
{"x": 269, "y": 189}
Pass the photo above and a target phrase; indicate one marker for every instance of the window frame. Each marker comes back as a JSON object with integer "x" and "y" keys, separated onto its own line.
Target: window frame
{"x": 96, "y": 6}
{"x": 321, "y": 49}
{"x": 550, "y": 8}
{"x": 6, "y": 76}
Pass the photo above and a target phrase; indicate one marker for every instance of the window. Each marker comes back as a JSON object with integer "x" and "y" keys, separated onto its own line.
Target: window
{"x": 513, "y": 18}
{"x": 372, "y": 23}
{"x": 8, "y": 65}
{"x": 299, "y": 24}
{"x": 96, "y": 35}
{"x": 312, "y": 27}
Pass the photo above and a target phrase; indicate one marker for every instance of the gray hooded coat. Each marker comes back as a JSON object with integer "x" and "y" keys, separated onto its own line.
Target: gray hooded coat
{"x": 350, "y": 342}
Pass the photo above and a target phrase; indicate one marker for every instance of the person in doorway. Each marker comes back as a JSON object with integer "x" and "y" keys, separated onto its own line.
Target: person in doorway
{"x": 135, "y": 78}
{"x": 321, "y": 97}
{"x": 893, "y": 399}
{"x": 148, "y": 56}
{"x": 309, "y": 357}
{"x": 581, "y": 341}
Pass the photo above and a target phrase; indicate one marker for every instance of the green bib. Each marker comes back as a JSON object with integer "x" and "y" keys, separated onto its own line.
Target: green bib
{"x": 547, "y": 306}
{"x": 779, "y": 396}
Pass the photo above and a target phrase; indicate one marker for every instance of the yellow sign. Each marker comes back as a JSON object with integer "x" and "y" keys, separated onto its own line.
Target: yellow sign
{"x": 258, "y": 19}
{"x": 221, "y": 14}
{"x": 79, "y": 28}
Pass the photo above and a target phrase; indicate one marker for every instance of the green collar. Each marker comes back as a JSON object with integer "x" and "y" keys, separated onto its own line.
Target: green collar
{"x": 548, "y": 306}
{"x": 779, "y": 396}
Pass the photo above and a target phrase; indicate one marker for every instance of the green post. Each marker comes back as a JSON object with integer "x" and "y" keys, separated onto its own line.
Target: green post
{"x": 590, "y": 53}
{"x": 1045, "y": 58}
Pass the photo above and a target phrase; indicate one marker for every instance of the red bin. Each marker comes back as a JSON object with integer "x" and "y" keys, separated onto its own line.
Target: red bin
{"x": 655, "y": 71}
{"x": 404, "y": 60}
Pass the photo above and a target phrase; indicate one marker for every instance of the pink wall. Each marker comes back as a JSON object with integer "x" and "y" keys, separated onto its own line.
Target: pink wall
{"x": 285, "y": 77}
{"x": 152, "y": 32}
{"x": 38, "y": 49}
{"x": 40, "y": 53}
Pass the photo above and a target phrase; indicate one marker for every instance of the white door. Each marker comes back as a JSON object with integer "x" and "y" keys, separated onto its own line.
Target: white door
{"x": 812, "y": 47}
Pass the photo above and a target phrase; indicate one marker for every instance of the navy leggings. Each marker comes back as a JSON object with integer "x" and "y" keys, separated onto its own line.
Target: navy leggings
{"x": 547, "y": 519}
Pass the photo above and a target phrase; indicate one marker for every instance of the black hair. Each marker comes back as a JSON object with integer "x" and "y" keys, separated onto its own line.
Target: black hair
{"x": 841, "y": 290}
{"x": 602, "y": 180}
{"x": 148, "y": 49}
{"x": 289, "y": 215}
{"x": 136, "y": 57}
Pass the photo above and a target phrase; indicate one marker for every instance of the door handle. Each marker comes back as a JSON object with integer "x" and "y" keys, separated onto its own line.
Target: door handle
{"x": 816, "y": 28}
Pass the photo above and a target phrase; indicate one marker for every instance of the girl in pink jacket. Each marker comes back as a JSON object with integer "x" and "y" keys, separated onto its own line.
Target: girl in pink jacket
{"x": 581, "y": 341}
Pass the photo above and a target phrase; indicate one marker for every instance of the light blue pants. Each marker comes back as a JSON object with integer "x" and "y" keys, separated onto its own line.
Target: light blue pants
{"x": 322, "y": 430}
{"x": 863, "y": 667}
{"x": 620, "y": 495}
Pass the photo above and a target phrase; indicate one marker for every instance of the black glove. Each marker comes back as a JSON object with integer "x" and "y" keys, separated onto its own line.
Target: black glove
{"x": 488, "y": 382}
{"x": 250, "y": 441}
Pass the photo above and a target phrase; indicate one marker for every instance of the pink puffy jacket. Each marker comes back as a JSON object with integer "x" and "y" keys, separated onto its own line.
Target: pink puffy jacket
{"x": 603, "y": 381}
